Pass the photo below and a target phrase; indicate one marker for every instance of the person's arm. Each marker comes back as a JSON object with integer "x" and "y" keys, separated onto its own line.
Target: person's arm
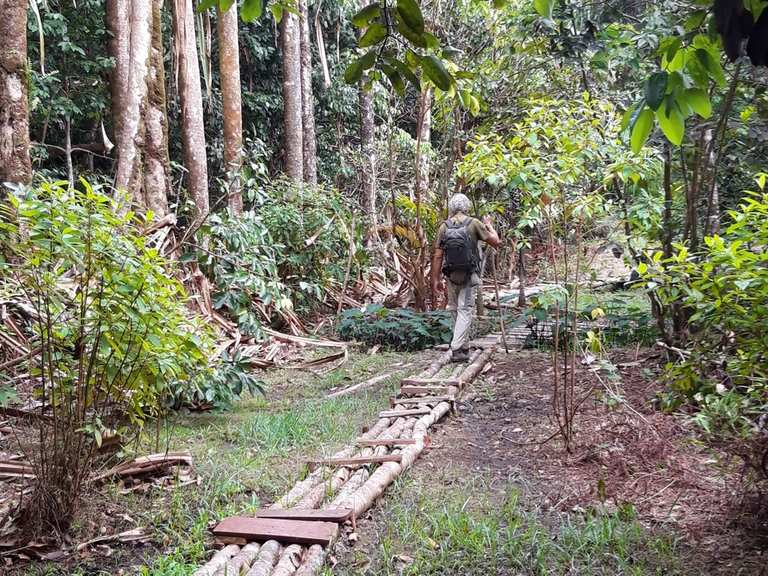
{"x": 491, "y": 237}
{"x": 436, "y": 270}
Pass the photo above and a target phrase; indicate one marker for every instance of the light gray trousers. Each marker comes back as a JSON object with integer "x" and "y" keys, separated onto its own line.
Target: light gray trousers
{"x": 461, "y": 303}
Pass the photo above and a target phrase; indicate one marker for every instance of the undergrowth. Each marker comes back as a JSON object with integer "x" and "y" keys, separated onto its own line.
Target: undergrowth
{"x": 470, "y": 530}
{"x": 395, "y": 328}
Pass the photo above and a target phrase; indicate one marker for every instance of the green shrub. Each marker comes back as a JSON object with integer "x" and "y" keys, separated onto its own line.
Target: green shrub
{"x": 110, "y": 333}
{"x": 397, "y": 329}
{"x": 281, "y": 256}
{"x": 723, "y": 293}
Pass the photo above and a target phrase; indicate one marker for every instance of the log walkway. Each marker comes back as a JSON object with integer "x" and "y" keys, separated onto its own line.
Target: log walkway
{"x": 295, "y": 543}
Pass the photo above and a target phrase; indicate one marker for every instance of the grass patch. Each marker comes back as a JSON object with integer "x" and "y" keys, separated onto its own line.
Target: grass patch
{"x": 469, "y": 528}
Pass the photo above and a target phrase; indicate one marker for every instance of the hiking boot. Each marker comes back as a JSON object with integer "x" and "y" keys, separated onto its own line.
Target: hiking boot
{"x": 460, "y": 355}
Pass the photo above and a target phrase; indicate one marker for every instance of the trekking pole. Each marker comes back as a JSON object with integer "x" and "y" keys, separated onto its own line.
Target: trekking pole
{"x": 498, "y": 303}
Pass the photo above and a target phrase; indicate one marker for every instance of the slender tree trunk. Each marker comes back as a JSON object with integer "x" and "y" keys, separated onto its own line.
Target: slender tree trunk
{"x": 309, "y": 143}
{"x": 292, "y": 126}
{"x": 229, "y": 72}
{"x": 157, "y": 169}
{"x": 117, "y": 14}
{"x": 368, "y": 151}
{"x": 130, "y": 139}
{"x": 191, "y": 100}
{"x": 15, "y": 165}
{"x": 423, "y": 135}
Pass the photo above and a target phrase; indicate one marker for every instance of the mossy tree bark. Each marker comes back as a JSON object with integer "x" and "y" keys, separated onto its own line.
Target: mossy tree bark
{"x": 229, "y": 69}
{"x": 293, "y": 147}
{"x": 309, "y": 145}
{"x": 15, "y": 165}
{"x": 191, "y": 101}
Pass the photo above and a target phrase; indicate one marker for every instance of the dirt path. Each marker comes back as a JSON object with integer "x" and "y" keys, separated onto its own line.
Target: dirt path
{"x": 634, "y": 474}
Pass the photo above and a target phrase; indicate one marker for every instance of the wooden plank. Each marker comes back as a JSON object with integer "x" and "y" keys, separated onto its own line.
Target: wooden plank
{"x": 282, "y": 530}
{"x": 401, "y": 413}
{"x": 358, "y": 461}
{"x": 337, "y": 515}
{"x": 385, "y": 442}
{"x": 408, "y": 390}
{"x": 425, "y": 400}
{"x": 444, "y": 382}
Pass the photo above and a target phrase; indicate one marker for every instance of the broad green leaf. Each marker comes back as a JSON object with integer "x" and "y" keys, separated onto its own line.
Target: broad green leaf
{"x": 641, "y": 129}
{"x": 671, "y": 122}
{"x": 225, "y": 5}
{"x": 544, "y": 7}
{"x": 699, "y": 101}
{"x": 251, "y": 10}
{"x": 376, "y": 33}
{"x": 630, "y": 116}
{"x": 415, "y": 38}
{"x": 756, "y": 7}
{"x": 206, "y": 5}
{"x": 711, "y": 65}
{"x": 499, "y": 3}
{"x": 435, "y": 71}
{"x": 655, "y": 88}
{"x": 694, "y": 20}
{"x": 432, "y": 41}
{"x": 411, "y": 14}
{"x": 394, "y": 78}
{"x": 277, "y": 12}
{"x": 354, "y": 72}
{"x": 405, "y": 71}
{"x": 364, "y": 16}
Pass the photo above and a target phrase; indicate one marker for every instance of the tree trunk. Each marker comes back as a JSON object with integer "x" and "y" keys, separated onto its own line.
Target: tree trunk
{"x": 157, "y": 168}
{"x": 229, "y": 71}
{"x": 191, "y": 100}
{"x": 367, "y": 149}
{"x": 292, "y": 108}
{"x": 423, "y": 135}
{"x": 15, "y": 165}
{"x": 118, "y": 46}
{"x": 136, "y": 31}
{"x": 309, "y": 144}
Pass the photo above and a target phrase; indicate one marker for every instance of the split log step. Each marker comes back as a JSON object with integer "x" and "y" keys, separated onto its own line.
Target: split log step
{"x": 359, "y": 461}
{"x": 444, "y": 382}
{"x": 401, "y": 413}
{"x": 385, "y": 442}
{"x": 424, "y": 400}
{"x": 282, "y": 530}
{"x": 409, "y": 390}
{"x": 337, "y": 515}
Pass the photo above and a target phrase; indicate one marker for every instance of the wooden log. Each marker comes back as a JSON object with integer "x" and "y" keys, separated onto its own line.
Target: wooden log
{"x": 476, "y": 365}
{"x": 384, "y": 475}
{"x": 408, "y": 390}
{"x": 289, "y": 561}
{"x": 436, "y": 365}
{"x": 424, "y": 400}
{"x": 430, "y": 382}
{"x": 240, "y": 562}
{"x": 337, "y": 515}
{"x": 385, "y": 442}
{"x": 263, "y": 529}
{"x": 217, "y": 561}
{"x": 303, "y": 487}
{"x": 358, "y": 461}
{"x": 312, "y": 562}
{"x": 403, "y": 413}
{"x": 266, "y": 560}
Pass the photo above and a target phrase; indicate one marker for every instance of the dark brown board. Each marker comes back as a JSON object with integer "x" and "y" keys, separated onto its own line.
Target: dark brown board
{"x": 284, "y": 531}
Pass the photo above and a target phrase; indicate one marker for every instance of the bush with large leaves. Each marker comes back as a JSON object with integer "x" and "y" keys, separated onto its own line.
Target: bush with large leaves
{"x": 724, "y": 294}
{"x": 110, "y": 334}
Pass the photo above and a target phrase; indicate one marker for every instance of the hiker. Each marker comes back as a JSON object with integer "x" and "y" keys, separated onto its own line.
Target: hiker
{"x": 457, "y": 256}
